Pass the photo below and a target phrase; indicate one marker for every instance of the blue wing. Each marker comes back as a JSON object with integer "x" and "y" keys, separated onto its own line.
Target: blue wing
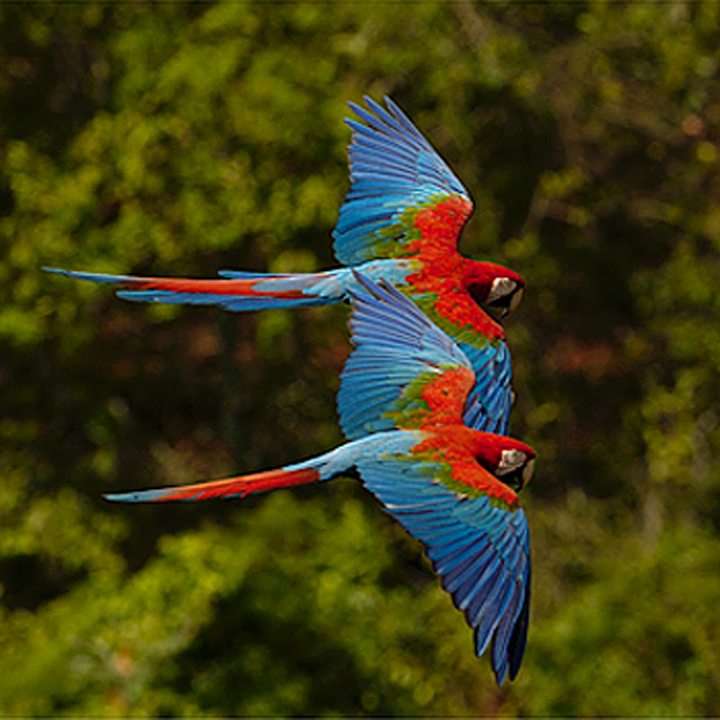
{"x": 480, "y": 550}
{"x": 490, "y": 400}
{"x": 398, "y": 352}
{"x": 393, "y": 170}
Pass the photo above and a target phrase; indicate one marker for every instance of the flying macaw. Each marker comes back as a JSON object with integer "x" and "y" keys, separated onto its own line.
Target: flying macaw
{"x": 400, "y": 222}
{"x": 401, "y": 401}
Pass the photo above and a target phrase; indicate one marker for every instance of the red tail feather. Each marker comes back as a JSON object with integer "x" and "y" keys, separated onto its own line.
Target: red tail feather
{"x": 241, "y": 288}
{"x": 241, "y": 486}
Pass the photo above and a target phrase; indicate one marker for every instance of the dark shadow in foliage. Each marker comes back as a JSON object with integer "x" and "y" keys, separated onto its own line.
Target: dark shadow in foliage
{"x": 215, "y": 667}
{"x": 30, "y": 581}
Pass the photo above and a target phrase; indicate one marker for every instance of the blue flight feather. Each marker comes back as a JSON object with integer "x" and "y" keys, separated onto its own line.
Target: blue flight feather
{"x": 491, "y": 567}
{"x": 393, "y": 169}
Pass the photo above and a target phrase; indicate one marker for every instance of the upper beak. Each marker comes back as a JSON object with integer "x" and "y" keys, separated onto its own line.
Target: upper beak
{"x": 528, "y": 472}
{"x": 515, "y": 300}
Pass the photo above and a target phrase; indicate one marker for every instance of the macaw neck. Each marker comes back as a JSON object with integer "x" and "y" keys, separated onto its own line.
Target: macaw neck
{"x": 469, "y": 453}
{"x": 438, "y": 284}
{"x": 456, "y": 440}
{"x": 447, "y": 302}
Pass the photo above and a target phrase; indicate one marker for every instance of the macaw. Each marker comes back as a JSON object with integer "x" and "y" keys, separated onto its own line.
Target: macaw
{"x": 401, "y": 401}
{"x": 400, "y": 222}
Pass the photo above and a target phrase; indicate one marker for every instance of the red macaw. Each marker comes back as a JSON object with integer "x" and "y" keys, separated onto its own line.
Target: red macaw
{"x": 400, "y": 222}
{"x": 403, "y": 393}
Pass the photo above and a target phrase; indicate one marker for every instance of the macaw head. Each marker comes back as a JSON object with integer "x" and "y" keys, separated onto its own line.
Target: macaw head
{"x": 509, "y": 460}
{"x": 494, "y": 285}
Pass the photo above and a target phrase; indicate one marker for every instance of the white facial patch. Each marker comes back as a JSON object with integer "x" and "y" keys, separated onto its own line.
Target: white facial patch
{"x": 501, "y": 287}
{"x": 510, "y": 460}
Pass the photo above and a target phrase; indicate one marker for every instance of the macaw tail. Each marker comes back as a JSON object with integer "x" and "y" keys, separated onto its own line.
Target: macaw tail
{"x": 237, "y": 291}
{"x": 237, "y": 487}
{"x": 341, "y": 461}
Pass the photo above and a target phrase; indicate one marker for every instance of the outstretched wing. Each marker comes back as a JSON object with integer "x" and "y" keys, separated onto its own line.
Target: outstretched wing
{"x": 476, "y": 535}
{"x": 488, "y": 407}
{"x": 397, "y": 179}
{"x": 404, "y": 371}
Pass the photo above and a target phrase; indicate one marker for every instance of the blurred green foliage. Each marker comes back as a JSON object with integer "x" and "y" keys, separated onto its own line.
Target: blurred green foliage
{"x": 180, "y": 139}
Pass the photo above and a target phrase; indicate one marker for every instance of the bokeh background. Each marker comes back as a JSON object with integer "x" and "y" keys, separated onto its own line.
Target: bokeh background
{"x": 181, "y": 139}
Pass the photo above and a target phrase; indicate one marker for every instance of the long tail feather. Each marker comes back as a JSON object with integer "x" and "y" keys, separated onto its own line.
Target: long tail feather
{"x": 243, "y": 292}
{"x": 237, "y": 487}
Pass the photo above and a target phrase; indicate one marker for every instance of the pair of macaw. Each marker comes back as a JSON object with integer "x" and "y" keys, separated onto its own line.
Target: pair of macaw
{"x": 425, "y": 395}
